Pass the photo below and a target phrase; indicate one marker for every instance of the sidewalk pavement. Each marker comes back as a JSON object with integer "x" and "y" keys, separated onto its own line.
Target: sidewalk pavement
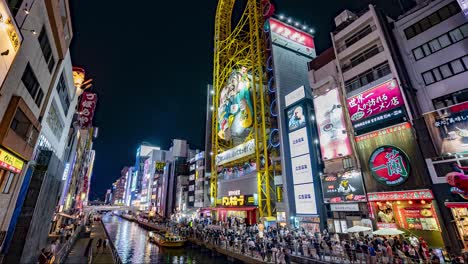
{"x": 78, "y": 254}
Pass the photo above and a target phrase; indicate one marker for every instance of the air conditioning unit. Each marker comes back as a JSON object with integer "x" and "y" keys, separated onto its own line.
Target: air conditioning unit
{"x": 344, "y": 16}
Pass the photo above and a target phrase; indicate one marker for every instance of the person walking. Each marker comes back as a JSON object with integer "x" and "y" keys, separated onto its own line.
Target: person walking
{"x": 99, "y": 244}
{"x": 104, "y": 245}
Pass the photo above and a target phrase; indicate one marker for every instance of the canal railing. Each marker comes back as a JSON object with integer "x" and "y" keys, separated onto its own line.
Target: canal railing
{"x": 115, "y": 255}
{"x": 62, "y": 254}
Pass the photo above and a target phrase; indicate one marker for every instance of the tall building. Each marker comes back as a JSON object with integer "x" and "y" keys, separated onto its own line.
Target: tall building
{"x": 432, "y": 39}
{"x": 139, "y": 179}
{"x": 380, "y": 106}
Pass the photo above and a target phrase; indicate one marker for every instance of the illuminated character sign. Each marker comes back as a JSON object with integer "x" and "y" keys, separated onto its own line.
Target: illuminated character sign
{"x": 389, "y": 165}
{"x": 235, "y": 111}
{"x": 345, "y": 187}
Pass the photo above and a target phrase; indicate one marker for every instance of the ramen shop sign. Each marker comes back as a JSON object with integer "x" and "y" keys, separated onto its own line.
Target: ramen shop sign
{"x": 389, "y": 165}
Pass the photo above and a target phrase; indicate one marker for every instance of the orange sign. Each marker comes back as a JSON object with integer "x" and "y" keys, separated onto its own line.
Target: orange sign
{"x": 10, "y": 162}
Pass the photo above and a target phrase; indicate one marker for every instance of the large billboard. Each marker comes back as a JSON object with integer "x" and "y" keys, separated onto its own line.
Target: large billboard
{"x": 297, "y": 40}
{"x": 304, "y": 197}
{"x": 449, "y": 128}
{"x": 235, "y": 110}
{"x": 10, "y": 40}
{"x": 334, "y": 140}
{"x": 343, "y": 187}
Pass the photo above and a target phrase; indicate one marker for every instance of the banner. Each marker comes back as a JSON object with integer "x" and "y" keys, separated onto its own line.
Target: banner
{"x": 240, "y": 151}
{"x": 87, "y": 107}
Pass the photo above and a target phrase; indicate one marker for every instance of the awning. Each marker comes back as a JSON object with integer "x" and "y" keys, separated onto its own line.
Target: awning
{"x": 456, "y": 204}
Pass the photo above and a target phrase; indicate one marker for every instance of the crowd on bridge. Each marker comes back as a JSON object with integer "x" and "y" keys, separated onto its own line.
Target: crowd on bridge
{"x": 278, "y": 244}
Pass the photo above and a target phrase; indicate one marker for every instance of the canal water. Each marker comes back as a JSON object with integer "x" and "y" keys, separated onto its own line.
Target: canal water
{"x": 131, "y": 241}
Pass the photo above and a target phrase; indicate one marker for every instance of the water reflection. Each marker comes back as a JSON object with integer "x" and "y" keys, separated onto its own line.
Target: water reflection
{"x": 133, "y": 247}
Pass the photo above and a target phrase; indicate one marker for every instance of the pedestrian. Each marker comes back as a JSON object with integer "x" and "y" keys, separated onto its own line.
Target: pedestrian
{"x": 99, "y": 244}
{"x": 104, "y": 245}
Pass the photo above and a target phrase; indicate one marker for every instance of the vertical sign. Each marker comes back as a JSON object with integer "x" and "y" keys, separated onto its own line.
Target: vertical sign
{"x": 87, "y": 106}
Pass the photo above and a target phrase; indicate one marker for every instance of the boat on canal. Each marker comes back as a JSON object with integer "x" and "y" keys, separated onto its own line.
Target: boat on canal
{"x": 167, "y": 239}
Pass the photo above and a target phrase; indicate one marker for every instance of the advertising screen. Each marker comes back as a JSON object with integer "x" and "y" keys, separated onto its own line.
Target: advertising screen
{"x": 235, "y": 111}
{"x": 10, "y": 40}
{"x": 449, "y": 128}
{"x": 334, "y": 141}
{"x": 305, "y": 199}
{"x": 296, "y": 118}
{"x": 377, "y": 100}
{"x": 343, "y": 187}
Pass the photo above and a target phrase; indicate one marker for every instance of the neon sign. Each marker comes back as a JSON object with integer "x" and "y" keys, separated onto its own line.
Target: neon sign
{"x": 291, "y": 33}
{"x": 389, "y": 165}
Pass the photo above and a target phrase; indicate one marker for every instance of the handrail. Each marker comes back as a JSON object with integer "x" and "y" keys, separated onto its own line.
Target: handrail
{"x": 115, "y": 254}
{"x": 62, "y": 254}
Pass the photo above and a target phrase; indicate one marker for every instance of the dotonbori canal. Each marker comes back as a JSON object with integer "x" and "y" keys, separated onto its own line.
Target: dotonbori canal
{"x": 131, "y": 242}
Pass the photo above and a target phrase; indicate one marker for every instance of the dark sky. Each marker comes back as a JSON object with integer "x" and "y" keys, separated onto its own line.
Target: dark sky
{"x": 151, "y": 63}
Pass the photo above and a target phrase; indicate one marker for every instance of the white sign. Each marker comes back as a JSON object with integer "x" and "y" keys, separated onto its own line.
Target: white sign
{"x": 232, "y": 193}
{"x": 352, "y": 207}
{"x": 302, "y": 171}
{"x": 304, "y": 196}
{"x": 298, "y": 142}
{"x": 294, "y": 96}
{"x": 65, "y": 172}
{"x": 240, "y": 151}
{"x": 464, "y": 7}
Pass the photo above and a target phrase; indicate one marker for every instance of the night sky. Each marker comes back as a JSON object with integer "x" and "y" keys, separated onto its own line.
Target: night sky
{"x": 151, "y": 63}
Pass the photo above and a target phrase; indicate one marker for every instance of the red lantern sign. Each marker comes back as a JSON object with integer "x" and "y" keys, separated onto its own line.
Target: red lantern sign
{"x": 389, "y": 165}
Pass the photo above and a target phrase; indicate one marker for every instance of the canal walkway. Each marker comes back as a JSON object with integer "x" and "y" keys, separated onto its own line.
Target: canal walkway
{"x": 85, "y": 248}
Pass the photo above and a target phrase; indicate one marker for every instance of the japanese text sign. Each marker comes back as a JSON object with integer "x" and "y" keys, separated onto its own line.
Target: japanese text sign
{"x": 389, "y": 165}
{"x": 10, "y": 162}
{"x": 87, "y": 106}
{"x": 374, "y": 101}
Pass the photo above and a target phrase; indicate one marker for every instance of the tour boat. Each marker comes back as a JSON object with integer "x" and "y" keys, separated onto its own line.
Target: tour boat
{"x": 166, "y": 240}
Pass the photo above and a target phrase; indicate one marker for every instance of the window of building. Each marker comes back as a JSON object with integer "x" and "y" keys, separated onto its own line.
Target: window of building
{"x": 435, "y": 45}
{"x": 30, "y": 81}
{"x": 433, "y": 19}
{"x": 444, "y": 40}
{"x": 358, "y": 36}
{"x": 363, "y": 56}
{"x": 437, "y": 75}
{"x": 14, "y": 6}
{"x": 20, "y": 124}
{"x": 447, "y": 70}
{"x": 418, "y": 53}
{"x": 63, "y": 94}
{"x": 456, "y": 35}
{"x": 368, "y": 76}
{"x": 426, "y": 49}
{"x": 9, "y": 180}
{"x": 451, "y": 99}
{"x": 39, "y": 97}
{"x": 46, "y": 49}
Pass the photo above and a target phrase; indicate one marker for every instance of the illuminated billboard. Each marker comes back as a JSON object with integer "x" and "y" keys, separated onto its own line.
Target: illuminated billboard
{"x": 449, "y": 129}
{"x": 235, "y": 110}
{"x": 10, "y": 40}
{"x": 296, "y": 118}
{"x": 287, "y": 35}
{"x": 343, "y": 187}
{"x": 305, "y": 199}
{"x": 334, "y": 141}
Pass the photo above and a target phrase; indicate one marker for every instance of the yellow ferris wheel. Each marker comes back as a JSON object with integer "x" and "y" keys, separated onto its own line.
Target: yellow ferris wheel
{"x": 239, "y": 85}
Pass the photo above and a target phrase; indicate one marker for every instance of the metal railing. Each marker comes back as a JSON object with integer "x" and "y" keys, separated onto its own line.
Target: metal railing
{"x": 360, "y": 35}
{"x": 63, "y": 252}
{"x": 362, "y": 58}
{"x": 115, "y": 255}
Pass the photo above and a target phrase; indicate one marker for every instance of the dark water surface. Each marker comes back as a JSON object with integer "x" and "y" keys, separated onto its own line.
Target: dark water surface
{"x": 133, "y": 246}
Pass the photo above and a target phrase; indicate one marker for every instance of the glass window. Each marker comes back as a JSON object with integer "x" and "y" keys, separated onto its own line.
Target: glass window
{"x": 445, "y": 70}
{"x": 454, "y": 8}
{"x": 444, "y": 13}
{"x": 425, "y": 24}
{"x": 29, "y": 80}
{"x": 457, "y": 66}
{"x": 435, "y": 45}
{"x": 465, "y": 61}
{"x": 426, "y": 49}
{"x": 417, "y": 28}
{"x": 20, "y": 124}
{"x": 40, "y": 96}
{"x": 418, "y": 53}
{"x": 456, "y": 35}
{"x": 434, "y": 19}
{"x": 428, "y": 78}
{"x": 9, "y": 181}
{"x": 464, "y": 30}
{"x": 437, "y": 74}
{"x": 409, "y": 32}
{"x": 444, "y": 40}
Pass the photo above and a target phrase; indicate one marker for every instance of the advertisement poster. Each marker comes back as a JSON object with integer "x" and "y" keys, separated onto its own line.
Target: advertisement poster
{"x": 286, "y": 35}
{"x": 235, "y": 111}
{"x": 240, "y": 151}
{"x": 389, "y": 165}
{"x": 296, "y": 118}
{"x": 334, "y": 141}
{"x": 344, "y": 187}
{"x": 302, "y": 169}
{"x": 449, "y": 128}
{"x": 299, "y": 142}
{"x": 379, "y": 99}
{"x": 10, "y": 40}
{"x": 305, "y": 199}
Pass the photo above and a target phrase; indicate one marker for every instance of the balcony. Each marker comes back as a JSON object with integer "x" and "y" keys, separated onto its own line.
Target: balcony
{"x": 364, "y": 56}
{"x": 356, "y": 37}
{"x": 367, "y": 77}
{"x": 363, "y": 67}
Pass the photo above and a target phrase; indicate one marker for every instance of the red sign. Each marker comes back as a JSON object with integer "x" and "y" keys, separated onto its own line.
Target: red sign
{"x": 388, "y": 130}
{"x": 389, "y": 165}
{"x": 374, "y": 101}
{"x": 87, "y": 106}
{"x": 291, "y": 33}
{"x": 400, "y": 195}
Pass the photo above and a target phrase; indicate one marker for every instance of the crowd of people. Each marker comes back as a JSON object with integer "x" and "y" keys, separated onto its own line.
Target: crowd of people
{"x": 277, "y": 244}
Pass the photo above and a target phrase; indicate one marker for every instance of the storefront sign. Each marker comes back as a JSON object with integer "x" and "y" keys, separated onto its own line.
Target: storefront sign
{"x": 344, "y": 187}
{"x": 240, "y": 151}
{"x": 374, "y": 101}
{"x": 352, "y": 207}
{"x": 305, "y": 199}
{"x": 389, "y": 165}
{"x": 284, "y": 34}
{"x": 298, "y": 142}
{"x": 238, "y": 200}
{"x": 400, "y": 195}
{"x": 395, "y": 115}
{"x": 302, "y": 169}
{"x": 381, "y": 132}
{"x": 10, "y": 162}
{"x": 334, "y": 140}
{"x": 449, "y": 128}
{"x": 87, "y": 106}
{"x": 10, "y": 39}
